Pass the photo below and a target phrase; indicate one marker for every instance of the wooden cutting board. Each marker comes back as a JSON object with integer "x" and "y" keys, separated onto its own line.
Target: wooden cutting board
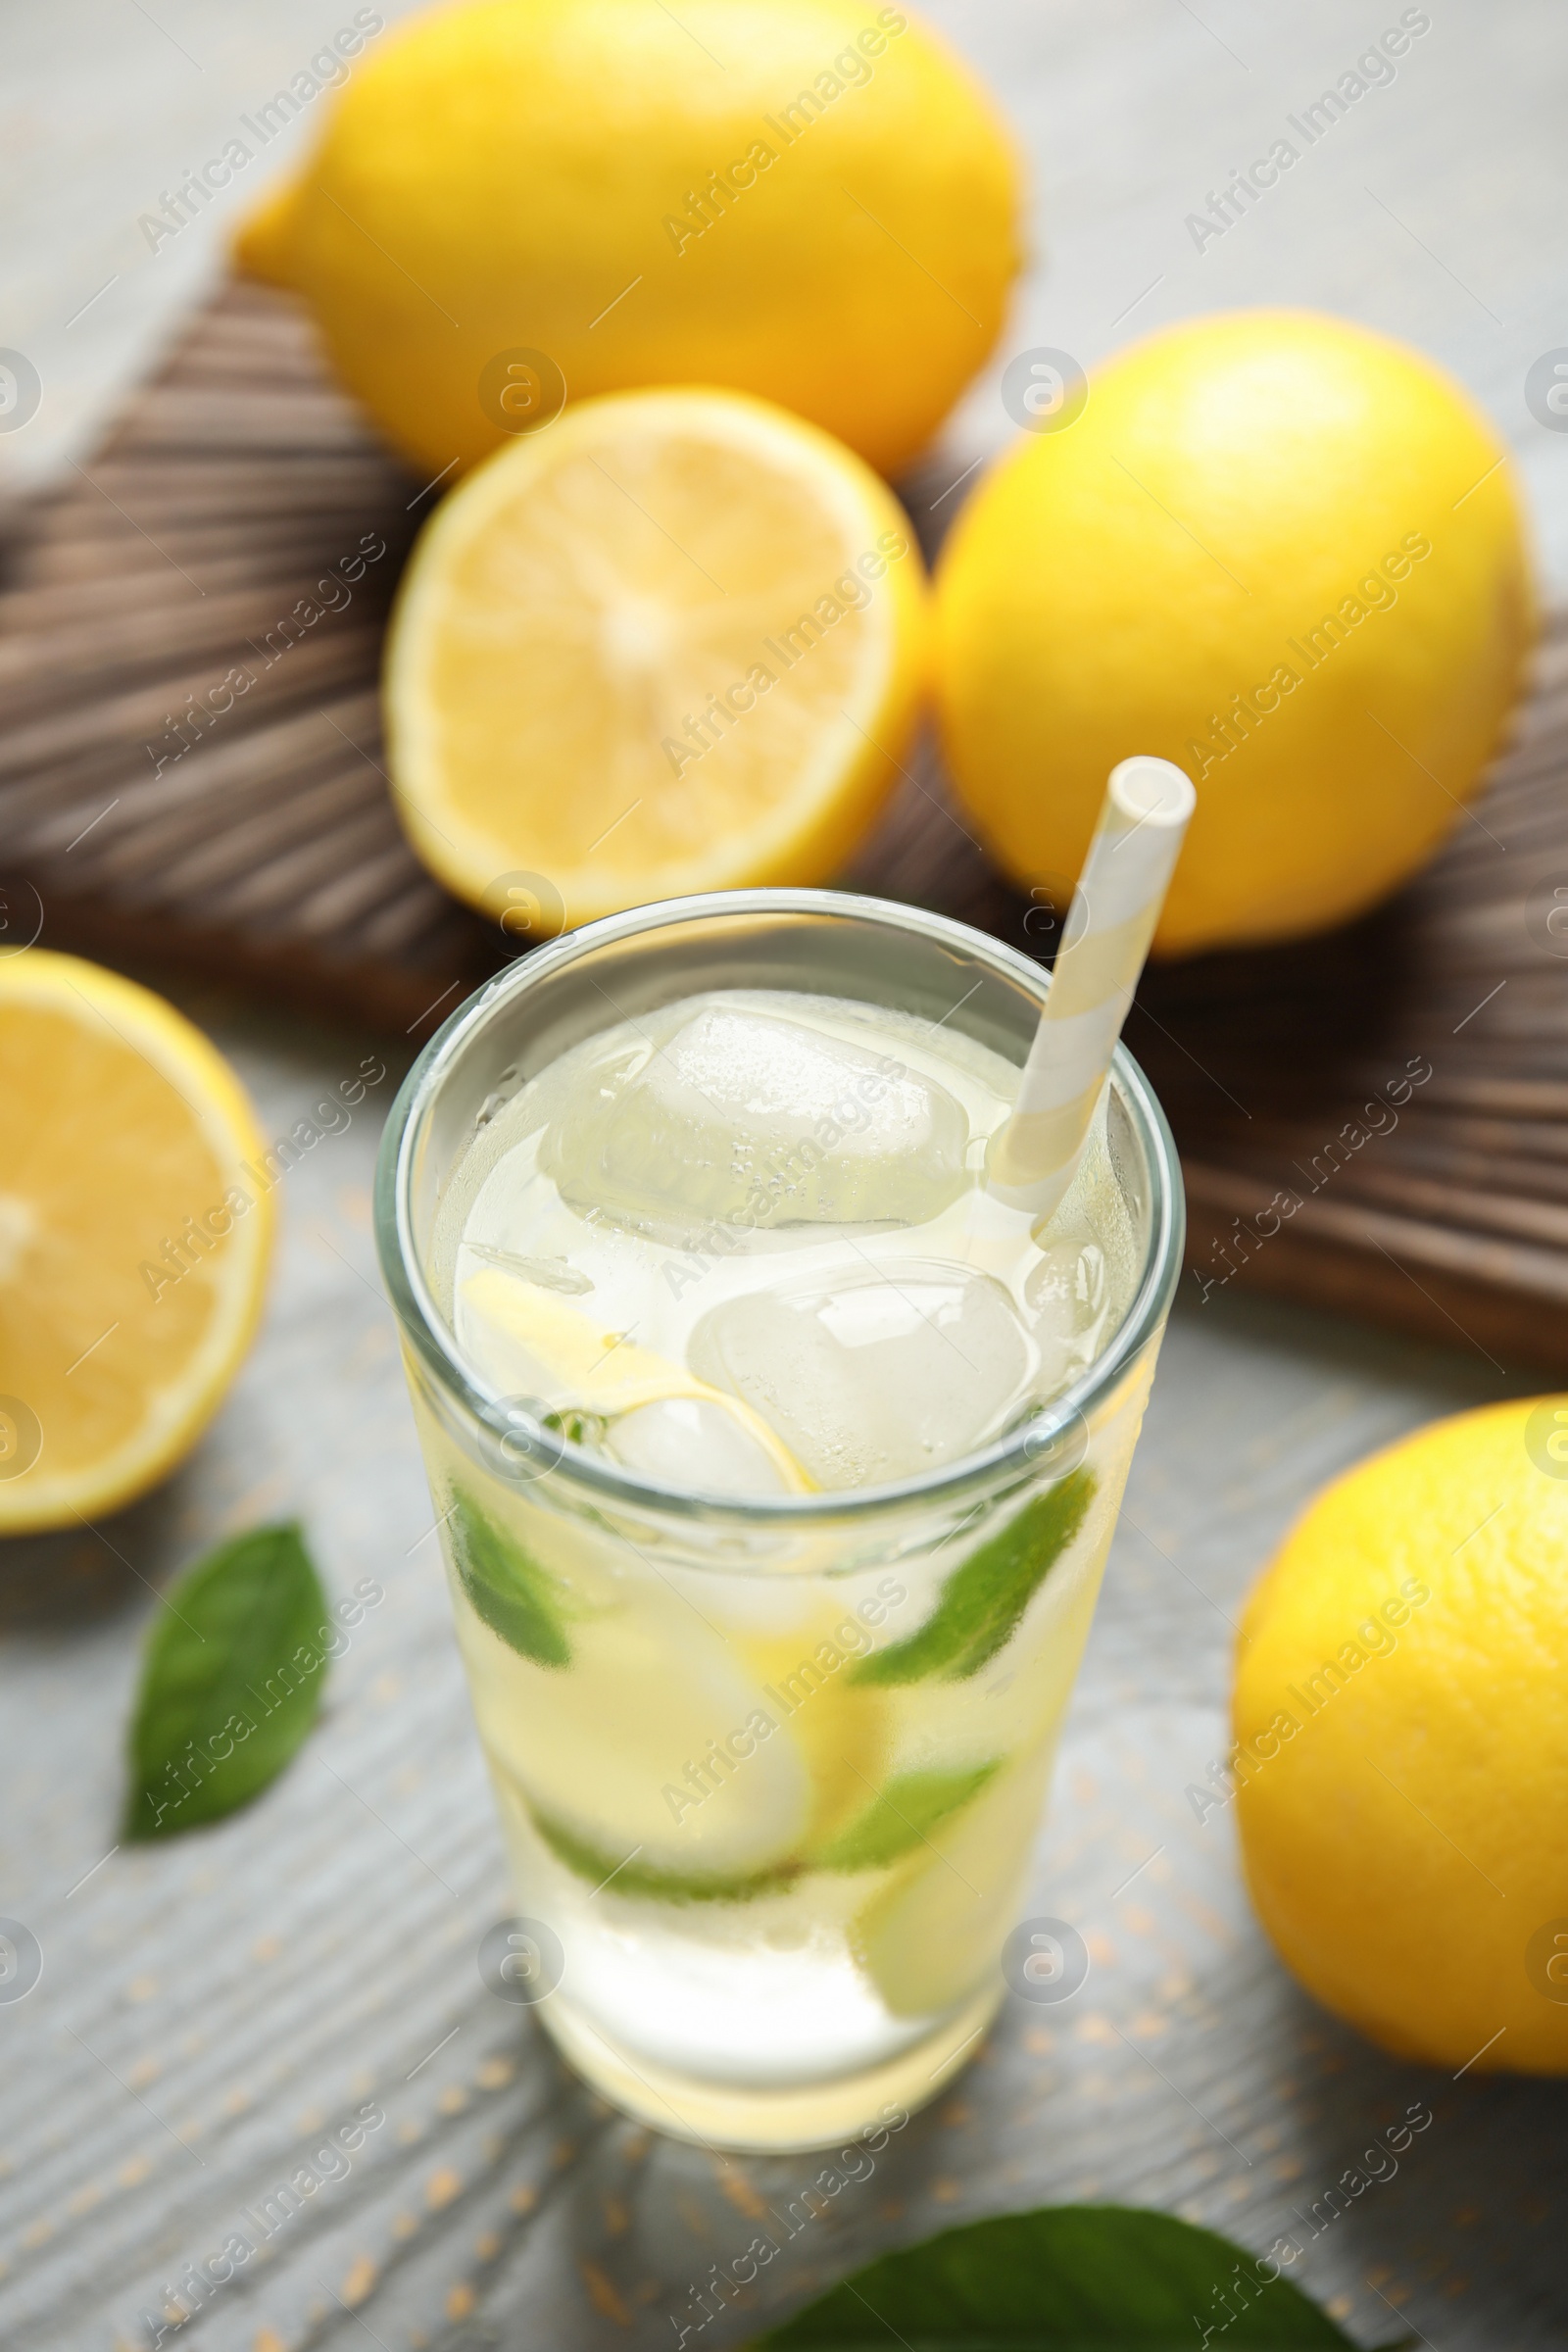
{"x": 192, "y": 775}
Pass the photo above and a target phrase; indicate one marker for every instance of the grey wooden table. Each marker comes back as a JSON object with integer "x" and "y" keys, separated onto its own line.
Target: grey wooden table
{"x": 209, "y": 2010}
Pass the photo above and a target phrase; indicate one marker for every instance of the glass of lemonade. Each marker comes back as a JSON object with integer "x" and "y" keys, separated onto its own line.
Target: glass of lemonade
{"x": 778, "y": 1462}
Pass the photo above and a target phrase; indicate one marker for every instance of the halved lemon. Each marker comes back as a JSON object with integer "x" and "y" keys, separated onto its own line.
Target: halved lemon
{"x": 673, "y": 641}
{"x": 133, "y": 1241}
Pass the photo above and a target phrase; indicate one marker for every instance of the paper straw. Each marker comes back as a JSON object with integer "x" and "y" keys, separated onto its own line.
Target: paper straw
{"x": 1115, "y": 906}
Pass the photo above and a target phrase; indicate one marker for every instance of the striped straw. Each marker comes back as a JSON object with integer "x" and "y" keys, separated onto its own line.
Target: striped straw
{"x": 1115, "y": 906}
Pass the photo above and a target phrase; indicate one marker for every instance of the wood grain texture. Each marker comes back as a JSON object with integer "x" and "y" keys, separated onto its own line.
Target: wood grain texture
{"x": 262, "y": 845}
{"x": 237, "y": 492}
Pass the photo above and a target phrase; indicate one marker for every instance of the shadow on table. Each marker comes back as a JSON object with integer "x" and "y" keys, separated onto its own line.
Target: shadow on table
{"x": 1424, "y": 2182}
{"x": 84, "y": 1574}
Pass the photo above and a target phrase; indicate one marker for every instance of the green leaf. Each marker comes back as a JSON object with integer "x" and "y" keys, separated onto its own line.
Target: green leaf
{"x": 983, "y": 1602}
{"x": 1064, "y": 2279}
{"x": 900, "y": 1816}
{"x": 634, "y": 1877}
{"x": 508, "y": 1587}
{"x": 230, "y": 1684}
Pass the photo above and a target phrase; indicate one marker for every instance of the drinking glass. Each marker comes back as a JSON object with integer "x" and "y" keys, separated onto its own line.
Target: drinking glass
{"x": 755, "y": 1654}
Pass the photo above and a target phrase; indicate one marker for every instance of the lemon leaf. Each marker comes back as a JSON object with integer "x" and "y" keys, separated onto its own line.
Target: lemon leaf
{"x": 983, "y": 1602}
{"x": 507, "y": 1586}
{"x": 635, "y": 1877}
{"x": 900, "y": 1815}
{"x": 231, "y": 1683}
{"x": 1063, "y": 2278}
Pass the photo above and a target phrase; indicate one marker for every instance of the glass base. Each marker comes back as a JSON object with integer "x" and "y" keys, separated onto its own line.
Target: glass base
{"x": 769, "y": 2121}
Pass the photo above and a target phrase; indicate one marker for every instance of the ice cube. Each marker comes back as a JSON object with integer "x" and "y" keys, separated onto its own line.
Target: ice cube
{"x": 876, "y": 1373}
{"x": 1069, "y": 1293}
{"x": 694, "y": 1442}
{"x": 750, "y": 1116}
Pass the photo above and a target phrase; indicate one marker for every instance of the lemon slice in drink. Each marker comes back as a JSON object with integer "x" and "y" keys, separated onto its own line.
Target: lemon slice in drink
{"x": 133, "y": 1245}
{"x": 927, "y": 1940}
{"x": 671, "y": 642}
{"x": 653, "y": 1754}
{"x": 525, "y": 1337}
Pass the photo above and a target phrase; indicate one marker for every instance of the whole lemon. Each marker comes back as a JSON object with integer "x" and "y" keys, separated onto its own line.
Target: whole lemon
{"x": 1401, "y": 1736}
{"x": 517, "y": 201}
{"x": 1275, "y": 548}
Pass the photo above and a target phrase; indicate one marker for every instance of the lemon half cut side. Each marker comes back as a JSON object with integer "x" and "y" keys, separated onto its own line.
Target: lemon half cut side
{"x": 133, "y": 1241}
{"x": 672, "y": 642}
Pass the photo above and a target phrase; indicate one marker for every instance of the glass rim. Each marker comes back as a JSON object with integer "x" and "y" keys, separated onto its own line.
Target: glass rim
{"x": 606, "y": 1482}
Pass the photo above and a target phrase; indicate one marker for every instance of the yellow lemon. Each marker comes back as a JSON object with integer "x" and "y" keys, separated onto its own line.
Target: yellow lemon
{"x": 1402, "y": 1743}
{"x": 1278, "y": 550}
{"x": 133, "y": 1245}
{"x": 813, "y": 200}
{"x": 673, "y": 643}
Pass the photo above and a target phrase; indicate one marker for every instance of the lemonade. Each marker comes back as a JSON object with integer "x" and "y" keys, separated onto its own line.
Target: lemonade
{"x": 776, "y": 1537}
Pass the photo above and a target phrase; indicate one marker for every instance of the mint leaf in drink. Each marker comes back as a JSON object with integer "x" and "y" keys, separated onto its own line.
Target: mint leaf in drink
{"x": 507, "y": 1586}
{"x": 983, "y": 1602}
{"x": 1064, "y": 2279}
{"x": 901, "y": 1816}
{"x": 231, "y": 1683}
{"x": 629, "y": 1874}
